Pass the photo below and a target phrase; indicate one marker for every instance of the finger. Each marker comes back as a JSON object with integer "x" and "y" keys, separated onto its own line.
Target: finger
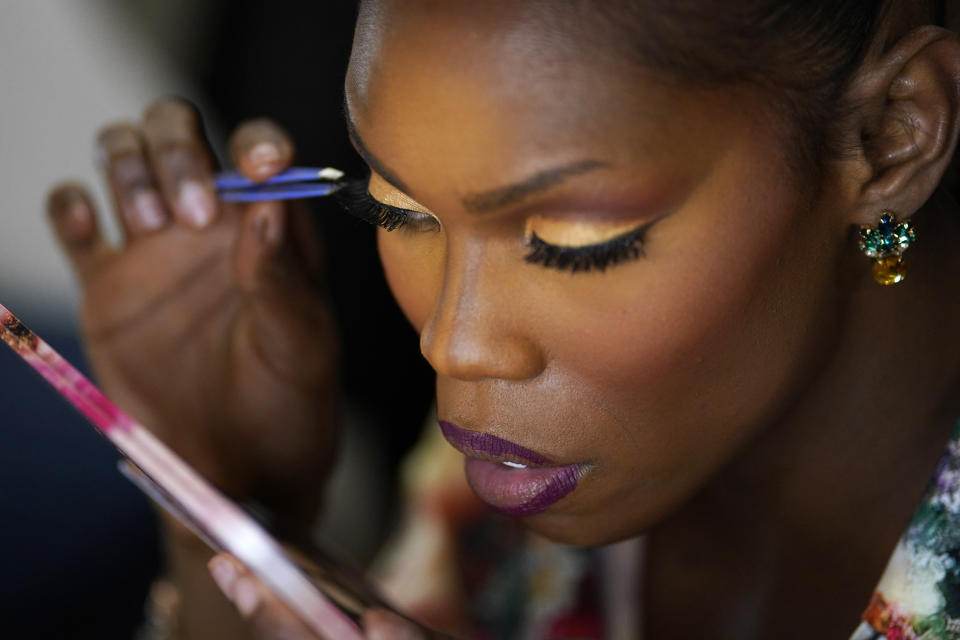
{"x": 182, "y": 161}
{"x": 381, "y": 624}
{"x": 259, "y": 246}
{"x": 74, "y": 220}
{"x": 287, "y": 308}
{"x": 275, "y": 231}
{"x": 261, "y": 149}
{"x": 131, "y": 181}
{"x": 270, "y": 618}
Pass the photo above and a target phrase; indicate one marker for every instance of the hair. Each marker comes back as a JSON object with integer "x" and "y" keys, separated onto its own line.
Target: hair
{"x": 803, "y": 52}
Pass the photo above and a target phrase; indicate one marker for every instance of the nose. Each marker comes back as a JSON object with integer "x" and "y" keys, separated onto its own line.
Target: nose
{"x": 478, "y": 326}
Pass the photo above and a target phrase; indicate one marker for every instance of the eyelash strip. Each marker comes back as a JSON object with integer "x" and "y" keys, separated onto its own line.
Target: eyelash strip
{"x": 594, "y": 257}
{"x": 356, "y": 199}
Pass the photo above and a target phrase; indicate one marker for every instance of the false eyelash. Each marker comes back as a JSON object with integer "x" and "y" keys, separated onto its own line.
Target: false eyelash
{"x": 592, "y": 257}
{"x": 357, "y": 201}
{"x": 355, "y": 198}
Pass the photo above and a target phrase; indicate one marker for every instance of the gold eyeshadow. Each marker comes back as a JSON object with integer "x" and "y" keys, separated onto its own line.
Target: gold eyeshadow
{"x": 554, "y": 242}
{"x": 383, "y": 192}
{"x": 577, "y": 233}
{"x": 567, "y": 233}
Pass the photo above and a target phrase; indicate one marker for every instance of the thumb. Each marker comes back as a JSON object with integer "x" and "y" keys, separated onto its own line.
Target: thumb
{"x": 381, "y": 624}
{"x": 260, "y": 245}
{"x": 287, "y": 308}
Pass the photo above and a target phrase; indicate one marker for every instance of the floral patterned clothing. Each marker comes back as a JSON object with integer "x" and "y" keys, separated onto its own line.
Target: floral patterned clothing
{"x": 918, "y": 597}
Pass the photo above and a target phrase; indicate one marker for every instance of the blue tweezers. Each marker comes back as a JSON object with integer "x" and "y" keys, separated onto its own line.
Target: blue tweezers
{"x": 292, "y": 184}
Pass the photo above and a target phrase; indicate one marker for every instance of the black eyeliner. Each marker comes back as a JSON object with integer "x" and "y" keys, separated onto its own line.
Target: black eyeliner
{"x": 594, "y": 257}
{"x": 355, "y": 198}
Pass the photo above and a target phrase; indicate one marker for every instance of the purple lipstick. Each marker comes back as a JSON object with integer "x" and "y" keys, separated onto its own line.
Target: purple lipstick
{"x": 510, "y": 478}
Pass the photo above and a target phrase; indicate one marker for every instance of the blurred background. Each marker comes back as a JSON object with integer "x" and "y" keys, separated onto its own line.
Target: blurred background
{"x": 78, "y": 546}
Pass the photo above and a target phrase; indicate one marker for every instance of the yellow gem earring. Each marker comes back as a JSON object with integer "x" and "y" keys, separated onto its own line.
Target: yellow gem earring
{"x": 886, "y": 243}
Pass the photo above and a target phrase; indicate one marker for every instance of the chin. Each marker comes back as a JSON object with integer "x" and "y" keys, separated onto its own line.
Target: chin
{"x": 582, "y": 530}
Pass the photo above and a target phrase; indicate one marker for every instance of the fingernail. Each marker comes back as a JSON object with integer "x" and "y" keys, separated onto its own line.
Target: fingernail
{"x": 196, "y": 204}
{"x": 246, "y": 598}
{"x": 264, "y": 153}
{"x": 148, "y": 210}
{"x": 224, "y": 574}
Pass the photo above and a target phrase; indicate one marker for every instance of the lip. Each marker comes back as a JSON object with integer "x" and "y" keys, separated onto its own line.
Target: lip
{"x": 517, "y": 492}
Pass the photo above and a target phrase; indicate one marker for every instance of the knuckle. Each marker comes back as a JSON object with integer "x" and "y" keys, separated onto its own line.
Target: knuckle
{"x": 171, "y": 120}
{"x": 180, "y": 158}
{"x": 130, "y": 170}
{"x": 178, "y": 151}
{"x": 118, "y": 137}
{"x": 238, "y": 136}
{"x": 260, "y": 148}
{"x": 172, "y": 110}
{"x": 259, "y": 130}
{"x": 63, "y": 194}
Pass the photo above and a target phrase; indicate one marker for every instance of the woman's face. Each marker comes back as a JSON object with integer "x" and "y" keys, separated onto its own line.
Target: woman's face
{"x": 519, "y": 149}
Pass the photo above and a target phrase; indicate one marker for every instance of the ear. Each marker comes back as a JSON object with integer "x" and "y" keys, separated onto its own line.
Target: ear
{"x": 905, "y": 123}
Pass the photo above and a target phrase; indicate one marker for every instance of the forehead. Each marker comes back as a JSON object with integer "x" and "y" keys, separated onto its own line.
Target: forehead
{"x": 477, "y": 36}
{"x": 506, "y": 53}
{"x": 503, "y": 86}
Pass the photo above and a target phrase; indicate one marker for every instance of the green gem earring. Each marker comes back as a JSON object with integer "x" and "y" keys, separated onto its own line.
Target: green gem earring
{"x": 886, "y": 243}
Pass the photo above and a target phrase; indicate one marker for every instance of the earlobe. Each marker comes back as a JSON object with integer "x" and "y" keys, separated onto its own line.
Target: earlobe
{"x": 909, "y": 116}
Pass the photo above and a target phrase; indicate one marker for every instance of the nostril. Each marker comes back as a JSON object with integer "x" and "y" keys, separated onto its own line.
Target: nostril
{"x": 477, "y": 327}
{"x": 474, "y": 353}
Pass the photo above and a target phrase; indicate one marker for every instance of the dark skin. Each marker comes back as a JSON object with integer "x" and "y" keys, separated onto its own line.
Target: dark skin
{"x": 744, "y": 392}
{"x": 231, "y": 305}
{"x": 237, "y": 296}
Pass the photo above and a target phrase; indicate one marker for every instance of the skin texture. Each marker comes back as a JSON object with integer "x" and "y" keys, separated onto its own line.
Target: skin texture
{"x": 697, "y": 379}
{"x": 682, "y": 356}
{"x": 218, "y": 305}
{"x": 212, "y": 311}
{"x": 655, "y": 365}
{"x": 743, "y": 392}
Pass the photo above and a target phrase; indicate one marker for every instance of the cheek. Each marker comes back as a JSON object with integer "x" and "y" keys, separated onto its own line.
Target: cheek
{"x": 713, "y": 305}
{"x": 414, "y": 273}
{"x": 681, "y": 357}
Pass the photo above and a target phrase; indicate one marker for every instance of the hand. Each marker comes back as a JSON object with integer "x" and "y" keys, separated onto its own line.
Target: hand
{"x": 208, "y": 323}
{"x": 272, "y": 620}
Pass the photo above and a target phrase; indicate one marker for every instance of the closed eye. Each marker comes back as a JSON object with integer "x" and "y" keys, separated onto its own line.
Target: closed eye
{"x": 356, "y": 199}
{"x": 592, "y": 257}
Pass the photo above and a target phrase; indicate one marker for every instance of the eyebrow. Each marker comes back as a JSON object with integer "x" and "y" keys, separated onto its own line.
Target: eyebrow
{"x": 483, "y": 201}
{"x": 538, "y": 182}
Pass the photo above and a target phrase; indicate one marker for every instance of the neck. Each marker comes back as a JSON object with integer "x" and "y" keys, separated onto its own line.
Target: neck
{"x": 790, "y": 539}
